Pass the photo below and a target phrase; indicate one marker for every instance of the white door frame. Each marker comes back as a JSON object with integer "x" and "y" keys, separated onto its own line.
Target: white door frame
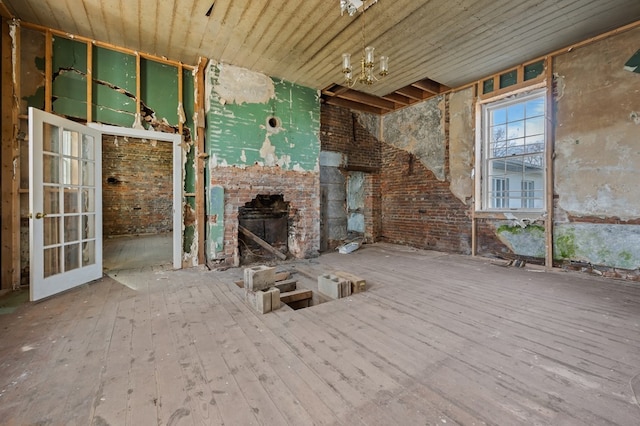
{"x": 176, "y": 139}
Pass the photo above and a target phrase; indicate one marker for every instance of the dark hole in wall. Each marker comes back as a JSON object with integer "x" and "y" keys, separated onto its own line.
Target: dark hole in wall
{"x": 266, "y": 216}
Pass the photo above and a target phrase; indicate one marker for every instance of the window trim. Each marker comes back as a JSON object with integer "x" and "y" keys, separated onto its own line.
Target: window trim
{"x": 482, "y": 182}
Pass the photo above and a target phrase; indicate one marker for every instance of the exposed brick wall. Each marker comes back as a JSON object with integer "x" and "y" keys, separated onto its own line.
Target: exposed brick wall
{"x": 341, "y": 132}
{"x": 300, "y": 189}
{"x": 137, "y": 186}
{"x": 488, "y": 243}
{"x": 418, "y": 209}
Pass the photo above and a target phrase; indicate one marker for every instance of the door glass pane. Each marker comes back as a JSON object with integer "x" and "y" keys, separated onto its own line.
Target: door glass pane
{"x": 70, "y": 171}
{"x": 88, "y": 200}
{"x": 50, "y": 138}
{"x": 71, "y": 228}
{"x": 88, "y": 173}
{"x": 50, "y": 168}
{"x": 51, "y": 230}
{"x": 88, "y": 226}
{"x": 71, "y": 257}
{"x": 51, "y": 202}
{"x": 51, "y": 261}
{"x": 89, "y": 253}
{"x": 71, "y": 196}
{"x": 70, "y": 143}
{"x": 87, "y": 147}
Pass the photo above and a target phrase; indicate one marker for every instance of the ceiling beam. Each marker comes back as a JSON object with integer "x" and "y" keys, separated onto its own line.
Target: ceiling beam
{"x": 4, "y": 12}
{"x": 429, "y": 85}
{"x": 398, "y": 98}
{"x": 414, "y": 93}
{"x": 367, "y": 99}
{"x": 353, "y": 105}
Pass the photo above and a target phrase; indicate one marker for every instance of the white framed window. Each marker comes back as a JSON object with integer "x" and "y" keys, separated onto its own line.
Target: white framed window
{"x": 512, "y": 152}
{"x": 500, "y": 193}
{"x": 527, "y": 194}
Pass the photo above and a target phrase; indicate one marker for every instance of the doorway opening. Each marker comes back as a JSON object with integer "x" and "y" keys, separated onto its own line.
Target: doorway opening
{"x": 137, "y": 207}
{"x": 142, "y": 198}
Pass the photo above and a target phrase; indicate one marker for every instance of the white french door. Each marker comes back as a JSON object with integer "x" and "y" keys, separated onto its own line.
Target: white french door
{"x": 65, "y": 204}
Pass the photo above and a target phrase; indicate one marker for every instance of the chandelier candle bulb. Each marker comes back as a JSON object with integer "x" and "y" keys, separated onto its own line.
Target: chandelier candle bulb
{"x": 369, "y": 59}
{"x": 346, "y": 63}
{"x": 348, "y": 77}
{"x": 384, "y": 65}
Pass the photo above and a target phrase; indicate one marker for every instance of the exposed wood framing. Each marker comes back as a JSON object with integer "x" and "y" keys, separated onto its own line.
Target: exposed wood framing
{"x": 474, "y": 182}
{"x": 109, "y": 46}
{"x": 360, "y": 101}
{"x": 549, "y": 164}
{"x": 200, "y": 157}
{"x": 180, "y": 98}
{"x": 89, "y": 82}
{"x": 48, "y": 71}
{"x": 138, "y": 89}
{"x": 10, "y": 161}
{"x": 4, "y": 12}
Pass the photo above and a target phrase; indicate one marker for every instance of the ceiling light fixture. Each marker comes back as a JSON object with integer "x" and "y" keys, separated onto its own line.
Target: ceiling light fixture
{"x": 367, "y": 60}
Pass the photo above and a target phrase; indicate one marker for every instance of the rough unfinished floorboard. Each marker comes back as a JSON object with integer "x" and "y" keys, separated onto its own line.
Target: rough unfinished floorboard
{"x": 435, "y": 339}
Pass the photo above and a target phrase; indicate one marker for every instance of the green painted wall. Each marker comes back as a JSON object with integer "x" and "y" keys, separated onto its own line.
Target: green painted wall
{"x": 114, "y": 87}
{"x": 69, "y": 77}
{"x": 159, "y": 87}
{"x": 238, "y": 132}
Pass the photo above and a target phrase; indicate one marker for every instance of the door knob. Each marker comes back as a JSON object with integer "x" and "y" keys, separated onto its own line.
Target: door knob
{"x": 40, "y": 215}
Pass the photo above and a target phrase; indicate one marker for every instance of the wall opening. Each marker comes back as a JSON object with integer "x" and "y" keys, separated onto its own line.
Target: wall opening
{"x": 267, "y": 217}
{"x": 137, "y": 207}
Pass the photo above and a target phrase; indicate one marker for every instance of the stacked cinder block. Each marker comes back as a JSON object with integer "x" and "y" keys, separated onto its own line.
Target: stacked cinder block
{"x": 259, "y": 290}
{"x": 334, "y": 286}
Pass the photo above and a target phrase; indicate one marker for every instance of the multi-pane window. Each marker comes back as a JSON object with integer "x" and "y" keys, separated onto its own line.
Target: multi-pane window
{"x": 528, "y": 194}
{"x": 500, "y": 193}
{"x": 513, "y": 153}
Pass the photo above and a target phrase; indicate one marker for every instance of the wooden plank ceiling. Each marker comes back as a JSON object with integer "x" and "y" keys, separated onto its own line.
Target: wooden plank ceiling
{"x": 432, "y": 44}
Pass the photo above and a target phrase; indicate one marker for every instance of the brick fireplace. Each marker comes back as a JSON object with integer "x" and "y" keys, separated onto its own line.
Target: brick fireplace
{"x": 299, "y": 189}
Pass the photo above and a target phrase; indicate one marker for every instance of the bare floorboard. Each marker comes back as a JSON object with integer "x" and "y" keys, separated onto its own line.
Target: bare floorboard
{"x": 436, "y": 339}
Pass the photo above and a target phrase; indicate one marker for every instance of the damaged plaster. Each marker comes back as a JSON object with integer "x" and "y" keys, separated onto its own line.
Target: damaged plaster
{"x": 239, "y": 85}
{"x": 419, "y": 130}
{"x": 597, "y": 164}
{"x": 254, "y": 120}
{"x": 461, "y": 143}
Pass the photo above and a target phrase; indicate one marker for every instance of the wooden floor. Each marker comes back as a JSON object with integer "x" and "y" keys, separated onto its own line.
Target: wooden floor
{"x": 437, "y": 339}
{"x": 137, "y": 252}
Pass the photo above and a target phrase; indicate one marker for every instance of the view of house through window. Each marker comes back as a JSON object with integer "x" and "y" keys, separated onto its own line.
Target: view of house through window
{"x": 514, "y": 152}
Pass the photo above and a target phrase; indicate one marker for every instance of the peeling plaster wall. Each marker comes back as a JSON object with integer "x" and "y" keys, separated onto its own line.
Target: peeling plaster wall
{"x": 114, "y": 87}
{"x": 461, "y": 144}
{"x": 597, "y": 165}
{"x": 32, "y": 78}
{"x": 240, "y": 132}
{"x": 69, "y": 78}
{"x": 597, "y": 162}
{"x": 419, "y": 130}
{"x": 262, "y": 138}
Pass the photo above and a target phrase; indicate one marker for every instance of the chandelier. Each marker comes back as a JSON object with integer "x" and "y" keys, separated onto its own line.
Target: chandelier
{"x": 366, "y": 74}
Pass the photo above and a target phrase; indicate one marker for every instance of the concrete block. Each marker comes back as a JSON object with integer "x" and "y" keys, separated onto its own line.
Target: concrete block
{"x": 358, "y": 284}
{"x": 263, "y": 301}
{"x": 332, "y": 286}
{"x": 275, "y": 298}
{"x": 259, "y": 277}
